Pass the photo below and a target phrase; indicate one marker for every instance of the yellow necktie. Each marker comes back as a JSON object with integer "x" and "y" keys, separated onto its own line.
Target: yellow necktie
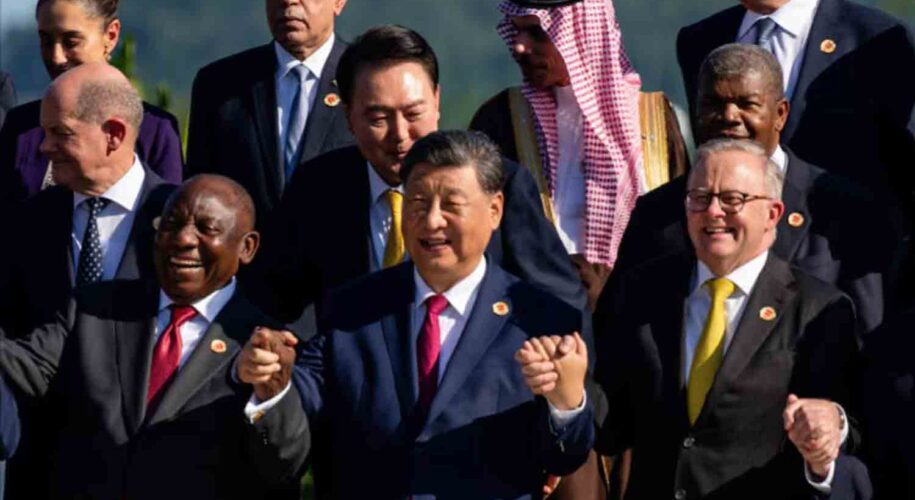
{"x": 394, "y": 247}
{"x": 709, "y": 350}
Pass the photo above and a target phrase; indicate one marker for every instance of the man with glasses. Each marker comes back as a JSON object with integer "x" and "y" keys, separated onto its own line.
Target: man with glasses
{"x": 726, "y": 370}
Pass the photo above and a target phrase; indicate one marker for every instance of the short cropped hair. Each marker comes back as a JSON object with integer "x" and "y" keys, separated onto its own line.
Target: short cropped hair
{"x": 98, "y": 101}
{"x": 774, "y": 177}
{"x": 737, "y": 59}
{"x": 452, "y": 148}
{"x": 382, "y": 46}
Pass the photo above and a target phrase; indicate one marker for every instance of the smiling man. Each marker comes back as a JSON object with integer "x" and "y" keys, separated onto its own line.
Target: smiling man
{"x": 712, "y": 363}
{"x": 143, "y": 374}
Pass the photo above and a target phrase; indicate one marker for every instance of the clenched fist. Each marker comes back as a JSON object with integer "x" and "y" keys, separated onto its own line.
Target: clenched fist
{"x": 815, "y": 428}
{"x": 555, "y": 368}
{"x": 266, "y": 361}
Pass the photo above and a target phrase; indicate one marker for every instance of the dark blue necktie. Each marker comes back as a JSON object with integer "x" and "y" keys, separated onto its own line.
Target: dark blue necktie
{"x": 90, "y": 255}
{"x": 765, "y": 28}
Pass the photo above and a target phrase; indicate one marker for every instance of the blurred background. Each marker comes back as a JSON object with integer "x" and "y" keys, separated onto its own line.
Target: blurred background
{"x": 167, "y": 41}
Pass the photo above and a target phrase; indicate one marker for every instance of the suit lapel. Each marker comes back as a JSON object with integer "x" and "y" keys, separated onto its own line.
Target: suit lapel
{"x": 322, "y": 115}
{"x": 62, "y": 216}
{"x": 398, "y": 341}
{"x": 794, "y": 194}
{"x": 135, "y": 340}
{"x": 482, "y": 328}
{"x": 263, "y": 103}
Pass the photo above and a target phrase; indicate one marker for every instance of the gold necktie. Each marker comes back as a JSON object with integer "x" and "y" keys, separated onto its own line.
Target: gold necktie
{"x": 710, "y": 349}
{"x": 394, "y": 247}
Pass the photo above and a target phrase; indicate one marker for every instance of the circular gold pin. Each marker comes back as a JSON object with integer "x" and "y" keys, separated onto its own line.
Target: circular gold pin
{"x": 827, "y": 46}
{"x": 155, "y": 223}
{"x": 332, "y": 99}
{"x": 796, "y": 219}
{"x": 218, "y": 346}
{"x": 767, "y": 313}
{"x": 500, "y": 308}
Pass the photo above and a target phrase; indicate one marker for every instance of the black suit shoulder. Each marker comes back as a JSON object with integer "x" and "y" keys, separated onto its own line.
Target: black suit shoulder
{"x": 227, "y": 75}
{"x": 494, "y": 119}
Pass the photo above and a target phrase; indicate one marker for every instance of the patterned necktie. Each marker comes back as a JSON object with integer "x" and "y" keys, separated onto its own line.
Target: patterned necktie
{"x": 297, "y": 118}
{"x": 394, "y": 247}
{"x": 167, "y": 353}
{"x": 428, "y": 348}
{"x": 710, "y": 349}
{"x": 89, "y": 268}
{"x": 765, "y": 28}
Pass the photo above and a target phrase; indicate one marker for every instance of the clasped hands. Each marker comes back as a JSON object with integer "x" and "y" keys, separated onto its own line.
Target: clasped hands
{"x": 814, "y": 426}
{"x": 554, "y": 367}
{"x": 266, "y": 362}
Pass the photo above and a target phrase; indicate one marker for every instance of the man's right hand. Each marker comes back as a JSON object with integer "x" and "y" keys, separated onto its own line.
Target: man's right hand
{"x": 266, "y": 361}
{"x": 555, "y": 367}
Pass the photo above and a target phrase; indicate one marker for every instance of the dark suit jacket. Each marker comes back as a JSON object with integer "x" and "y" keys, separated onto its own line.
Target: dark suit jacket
{"x": 486, "y": 435}
{"x": 193, "y": 444}
{"x": 853, "y": 111}
{"x": 7, "y": 95}
{"x": 845, "y": 238}
{"x": 233, "y": 123}
{"x": 37, "y": 278}
{"x": 9, "y": 422}
{"x": 320, "y": 238}
{"x": 737, "y": 447}
{"x": 23, "y": 166}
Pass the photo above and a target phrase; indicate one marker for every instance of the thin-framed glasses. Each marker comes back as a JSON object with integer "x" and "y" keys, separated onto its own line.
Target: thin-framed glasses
{"x": 731, "y": 202}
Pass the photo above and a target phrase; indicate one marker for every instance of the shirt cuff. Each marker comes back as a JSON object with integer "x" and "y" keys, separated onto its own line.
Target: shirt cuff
{"x": 255, "y": 410}
{"x": 824, "y": 486}
{"x": 561, "y": 418}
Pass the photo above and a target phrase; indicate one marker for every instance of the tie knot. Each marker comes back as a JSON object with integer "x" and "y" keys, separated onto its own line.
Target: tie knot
{"x": 300, "y": 72}
{"x": 436, "y": 304}
{"x": 96, "y": 205}
{"x": 181, "y": 314}
{"x": 720, "y": 288}
{"x": 764, "y": 29}
{"x": 395, "y": 200}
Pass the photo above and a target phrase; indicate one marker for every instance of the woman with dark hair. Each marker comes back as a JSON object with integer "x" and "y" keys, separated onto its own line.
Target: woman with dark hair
{"x": 73, "y": 32}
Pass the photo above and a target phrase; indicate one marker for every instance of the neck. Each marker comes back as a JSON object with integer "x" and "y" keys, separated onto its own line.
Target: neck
{"x": 105, "y": 177}
{"x": 302, "y": 52}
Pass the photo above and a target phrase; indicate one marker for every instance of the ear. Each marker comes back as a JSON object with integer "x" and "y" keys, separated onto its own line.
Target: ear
{"x": 116, "y": 133}
{"x": 781, "y": 114}
{"x": 250, "y": 242}
{"x": 437, "y": 98}
{"x": 776, "y": 210}
{"x": 338, "y": 6}
{"x": 496, "y": 205}
{"x": 112, "y": 35}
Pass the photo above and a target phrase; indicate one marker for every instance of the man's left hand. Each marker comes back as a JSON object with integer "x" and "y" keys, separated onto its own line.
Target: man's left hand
{"x": 814, "y": 427}
{"x": 593, "y": 277}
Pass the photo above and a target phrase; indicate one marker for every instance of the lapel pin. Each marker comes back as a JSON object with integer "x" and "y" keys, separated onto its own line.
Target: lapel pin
{"x": 332, "y": 99}
{"x": 155, "y": 223}
{"x": 500, "y": 308}
{"x": 827, "y": 46}
{"x": 767, "y": 313}
{"x": 218, "y": 346}
{"x": 796, "y": 219}
{"x": 334, "y": 82}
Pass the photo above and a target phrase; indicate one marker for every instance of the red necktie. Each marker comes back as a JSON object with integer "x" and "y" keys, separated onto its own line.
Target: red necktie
{"x": 168, "y": 351}
{"x": 428, "y": 348}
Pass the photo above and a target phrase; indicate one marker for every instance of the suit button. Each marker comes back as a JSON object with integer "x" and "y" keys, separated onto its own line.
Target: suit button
{"x": 689, "y": 442}
{"x": 680, "y": 495}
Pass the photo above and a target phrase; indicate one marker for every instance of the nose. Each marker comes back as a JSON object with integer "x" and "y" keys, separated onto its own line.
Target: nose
{"x": 714, "y": 208}
{"x": 730, "y": 113}
{"x": 400, "y": 129}
{"x": 434, "y": 220}
{"x": 186, "y": 236}
{"x": 522, "y": 44}
{"x": 46, "y": 147}
{"x": 58, "y": 55}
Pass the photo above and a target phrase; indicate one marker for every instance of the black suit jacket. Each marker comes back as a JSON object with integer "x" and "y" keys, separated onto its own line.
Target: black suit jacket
{"x": 7, "y": 95}
{"x": 193, "y": 444}
{"x": 737, "y": 447}
{"x": 853, "y": 110}
{"x": 233, "y": 128}
{"x": 845, "y": 237}
{"x": 320, "y": 239}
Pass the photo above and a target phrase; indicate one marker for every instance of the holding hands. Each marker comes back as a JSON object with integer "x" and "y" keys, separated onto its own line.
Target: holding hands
{"x": 266, "y": 361}
{"x": 555, "y": 367}
{"x": 815, "y": 428}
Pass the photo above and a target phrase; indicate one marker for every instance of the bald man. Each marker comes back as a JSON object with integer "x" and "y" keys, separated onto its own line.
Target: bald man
{"x": 143, "y": 375}
{"x": 94, "y": 225}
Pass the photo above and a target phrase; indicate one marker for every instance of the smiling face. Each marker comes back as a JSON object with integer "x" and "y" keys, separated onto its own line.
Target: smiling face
{"x": 301, "y": 26}
{"x": 540, "y": 61}
{"x": 77, "y": 149}
{"x": 203, "y": 237}
{"x": 725, "y": 241}
{"x": 70, "y": 36}
{"x": 448, "y": 221}
{"x": 392, "y": 107}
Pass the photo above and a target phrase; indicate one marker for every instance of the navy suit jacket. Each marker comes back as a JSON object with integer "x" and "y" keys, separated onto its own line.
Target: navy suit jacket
{"x": 844, "y": 237}
{"x": 233, "y": 129}
{"x": 9, "y": 422}
{"x": 320, "y": 239}
{"x": 853, "y": 110}
{"x": 486, "y": 435}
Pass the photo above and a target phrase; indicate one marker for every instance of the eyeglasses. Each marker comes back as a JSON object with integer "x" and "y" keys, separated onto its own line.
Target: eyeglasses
{"x": 731, "y": 202}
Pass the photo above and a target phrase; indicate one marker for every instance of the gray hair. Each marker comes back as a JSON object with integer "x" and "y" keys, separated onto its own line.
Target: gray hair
{"x": 774, "y": 177}
{"x": 737, "y": 59}
{"x": 450, "y": 148}
{"x": 99, "y": 100}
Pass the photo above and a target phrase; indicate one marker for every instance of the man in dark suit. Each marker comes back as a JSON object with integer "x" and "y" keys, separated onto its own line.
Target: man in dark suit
{"x": 144, "y": 374}
{"x": 711, "y": 360}
{"x": 833, "y": 229}
{"x": 257, "y": 116}
{"x": 336, "y": 224}
{"x": 852, "y": 112}
{"x": 412, "y": 381}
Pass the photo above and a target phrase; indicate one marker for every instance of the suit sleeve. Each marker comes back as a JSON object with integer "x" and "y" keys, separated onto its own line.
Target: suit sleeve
{"x": 199, "y": 143}
{"x": 30, "y": 363}
{"x": 565, "y": 449}
{"x": 280, "y": 441}
{"x": 9, "y": 422}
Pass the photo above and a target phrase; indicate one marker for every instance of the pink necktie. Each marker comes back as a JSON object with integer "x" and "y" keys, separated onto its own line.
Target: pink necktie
{"x": 428, "y": 348}
{"x": 168, "y": 351}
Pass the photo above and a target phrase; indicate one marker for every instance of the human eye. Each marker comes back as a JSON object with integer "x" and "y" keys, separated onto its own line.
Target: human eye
{"x": 732, "y": 198}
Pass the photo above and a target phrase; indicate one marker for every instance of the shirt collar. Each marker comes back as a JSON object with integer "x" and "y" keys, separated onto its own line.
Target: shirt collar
{"x": 780, "y": 158}
{"x": 315, "y": 62}
{"x": 377, "y": 186}
{"x": 210, "y": 306}
{"x": 125, "y": 192}
{"x": 744, "y": 277}
{"x": 458, "y": 296}
{"x": 794, "y": 17}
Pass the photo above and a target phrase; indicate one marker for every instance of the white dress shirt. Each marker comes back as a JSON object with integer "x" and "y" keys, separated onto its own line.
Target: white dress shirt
{"x": 379, "y": 216}
{"x": 698, "y": 304}
{"x": 793, "y": 21}
{"x": 780, "y": 158}
{"x": 114, "y": 222}
{"x": 193, "y": 330}
{"x": 569, "y": 197}
{"x": 287, "y": 85}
